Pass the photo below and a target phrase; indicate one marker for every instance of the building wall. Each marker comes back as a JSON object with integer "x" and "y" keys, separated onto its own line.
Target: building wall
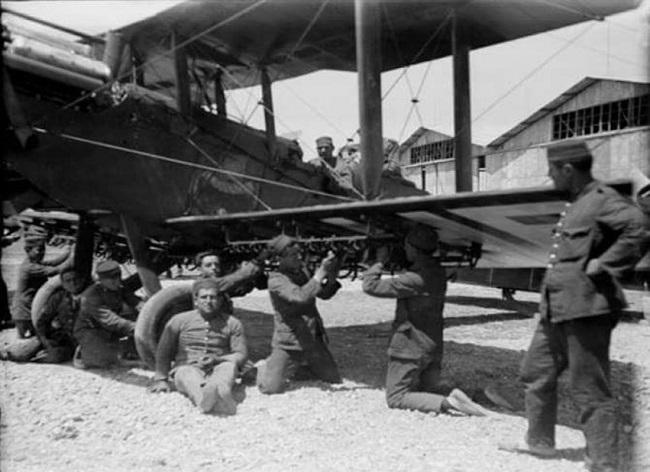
{"x": 440, "y": 176}
{"x": 521, "y": 161}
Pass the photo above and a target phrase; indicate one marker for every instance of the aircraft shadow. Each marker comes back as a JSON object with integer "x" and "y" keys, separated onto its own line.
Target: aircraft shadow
{"x": 360, "y": 351}
{"x": 523, "y": 307}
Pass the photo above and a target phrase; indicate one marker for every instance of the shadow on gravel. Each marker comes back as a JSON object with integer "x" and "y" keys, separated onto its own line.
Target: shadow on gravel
{"x": 480, "y": 319}
{"x": 495, "y": 303}
{"x": 360, "y": 351}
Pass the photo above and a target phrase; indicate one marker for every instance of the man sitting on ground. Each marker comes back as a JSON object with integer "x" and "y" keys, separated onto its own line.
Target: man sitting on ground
{"x": 206, "y": 347}
{"x": 32, "y": 274}
{"x": 107, "y": 314}
{"x": 56, "y": 321}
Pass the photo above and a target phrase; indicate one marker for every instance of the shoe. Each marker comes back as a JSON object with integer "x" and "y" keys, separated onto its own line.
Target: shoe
{"x": 499, "y": 399}
{"x": 524, "y": 447}
{"x": 591, "y": 467}
{"x": 77, "y": 361}
{"x": 459, "y": 401}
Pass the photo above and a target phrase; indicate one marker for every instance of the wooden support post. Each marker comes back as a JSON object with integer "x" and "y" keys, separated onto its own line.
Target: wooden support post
{"x": 84, "y": 247}
{"x": 219, "y": 95}
{"x": 183, "y": 101}
{"x": 462, "y": 112}
{"x": 139, "y": 251}
{"x": 368, "y": 44}
{"x": 269, "y": 118}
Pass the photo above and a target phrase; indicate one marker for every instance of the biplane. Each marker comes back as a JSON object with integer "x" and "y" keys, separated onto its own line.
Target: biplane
{"x": 130, "y": 130}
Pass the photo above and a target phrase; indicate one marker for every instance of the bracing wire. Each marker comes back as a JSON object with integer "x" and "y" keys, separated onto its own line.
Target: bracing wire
{"x": 136, "y": 152}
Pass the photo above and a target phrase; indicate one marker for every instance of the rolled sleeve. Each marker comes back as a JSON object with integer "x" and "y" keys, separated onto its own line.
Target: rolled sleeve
{"x": 405, "y": 285}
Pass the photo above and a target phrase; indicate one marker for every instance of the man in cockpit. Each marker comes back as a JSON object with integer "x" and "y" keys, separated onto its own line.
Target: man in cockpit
{"x": 325, "y": 149}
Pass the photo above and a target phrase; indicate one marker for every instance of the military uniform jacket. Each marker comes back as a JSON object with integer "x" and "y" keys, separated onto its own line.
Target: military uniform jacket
{"x": 31, "y": 276}
{"x": 188, "y": 337}
{"x": 113, "y": 325}
{"x": 58, "y": 316}
{"x": 600, "y": 224}
{"x": 297, "y": 322}
{"x": 420, "y": 294}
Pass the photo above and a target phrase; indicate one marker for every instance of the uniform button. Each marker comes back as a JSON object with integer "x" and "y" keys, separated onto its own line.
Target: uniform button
{"x": 567, "y": 204}
{"x": 559, "y": 223}
{"x": 555, "y": 245}
{"x": 553, "y": 256}
{"x": 549, "y": 266}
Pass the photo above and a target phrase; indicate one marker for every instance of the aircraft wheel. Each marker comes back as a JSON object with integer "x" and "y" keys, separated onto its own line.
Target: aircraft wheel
{"x": 154, "y": 316}
{"x": 42, "y": 295}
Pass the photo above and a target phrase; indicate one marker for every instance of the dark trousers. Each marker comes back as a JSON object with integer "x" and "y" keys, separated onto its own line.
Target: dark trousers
{"x": 582, "y": 347}
{"x": 282, "y": 365}
{"x": 99, "y": 349}
{"x": 410, "y": 384}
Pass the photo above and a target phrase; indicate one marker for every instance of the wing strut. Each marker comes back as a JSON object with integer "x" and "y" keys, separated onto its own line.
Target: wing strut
{"x": 462, "y": 115}
{"x": 368, "y": 39}
{"x": 269, "y": 118}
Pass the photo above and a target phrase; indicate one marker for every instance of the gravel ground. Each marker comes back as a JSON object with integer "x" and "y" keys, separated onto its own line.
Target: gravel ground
{"x": 56, "y": 418}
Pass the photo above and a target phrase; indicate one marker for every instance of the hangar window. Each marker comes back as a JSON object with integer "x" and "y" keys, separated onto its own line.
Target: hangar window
{"x": 435, "y": 151}
{"x": 611, "y": 116}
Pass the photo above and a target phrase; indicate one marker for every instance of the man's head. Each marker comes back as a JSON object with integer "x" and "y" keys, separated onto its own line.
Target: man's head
{"x": 71, "y": 281}
{"x": 209, "y": 264}
{"x": 420, "y": 240}
{"x": 109, "y": 274}
{"x": 569, "y": 164}
{"x": 286, "y": 249}
{"x": 35, "y": 249}
{"x": 207, "y": 295}
{"x": 325, "y": 147}
{"x": 35, "y": 238}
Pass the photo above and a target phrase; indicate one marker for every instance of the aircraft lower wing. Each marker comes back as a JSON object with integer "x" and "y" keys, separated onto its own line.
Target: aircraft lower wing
{"x": 504, "y": 229}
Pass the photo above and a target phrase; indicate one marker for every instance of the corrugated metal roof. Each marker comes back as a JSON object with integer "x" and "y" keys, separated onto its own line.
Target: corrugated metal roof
{"x": 551, "y": 106}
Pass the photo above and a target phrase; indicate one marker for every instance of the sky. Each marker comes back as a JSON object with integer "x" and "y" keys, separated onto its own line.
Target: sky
{"x": 509, "y": 81}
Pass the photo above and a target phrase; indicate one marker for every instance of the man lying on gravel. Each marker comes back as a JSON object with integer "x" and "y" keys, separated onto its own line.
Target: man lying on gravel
{"x": 299, "y": 338}
{"x": 415, "y": 350}
{"x": 207, "y": 346}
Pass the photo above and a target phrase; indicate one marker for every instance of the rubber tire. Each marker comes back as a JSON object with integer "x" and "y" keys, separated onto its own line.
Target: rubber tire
{"x": 42, "y": 295}
{"x": 155, "y": 314}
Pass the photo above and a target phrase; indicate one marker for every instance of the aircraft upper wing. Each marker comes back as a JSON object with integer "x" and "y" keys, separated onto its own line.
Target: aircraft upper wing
{"x": 295, "y": 37}
{"x": 513, "y": 228}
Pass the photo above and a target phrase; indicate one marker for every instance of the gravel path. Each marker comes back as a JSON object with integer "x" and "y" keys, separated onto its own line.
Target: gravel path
{"x": 57, "y": 418}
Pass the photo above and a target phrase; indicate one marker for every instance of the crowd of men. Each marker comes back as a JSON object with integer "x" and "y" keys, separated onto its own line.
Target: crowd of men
{"x": 202, "y": 352}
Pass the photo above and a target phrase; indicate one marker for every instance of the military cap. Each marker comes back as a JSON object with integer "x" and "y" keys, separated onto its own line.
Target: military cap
{"x": 278, "y": 244}
{"x": 570, "y": 153}
{"x": 324, "y": 141}
{"x": 423, "y": 238}
{"x": 107, "y": 267}
{"x": 207, "y": 282}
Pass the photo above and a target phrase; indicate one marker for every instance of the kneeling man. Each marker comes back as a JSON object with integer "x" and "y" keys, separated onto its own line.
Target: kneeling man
{"x": 206, "y": 346}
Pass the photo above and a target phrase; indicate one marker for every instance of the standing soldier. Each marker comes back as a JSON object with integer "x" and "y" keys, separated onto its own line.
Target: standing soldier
{"x": 595, "y": 242}
{"x": 107, "y": 313}
{"x": 415, "y": 350}
{"x": 299, "y": 336}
